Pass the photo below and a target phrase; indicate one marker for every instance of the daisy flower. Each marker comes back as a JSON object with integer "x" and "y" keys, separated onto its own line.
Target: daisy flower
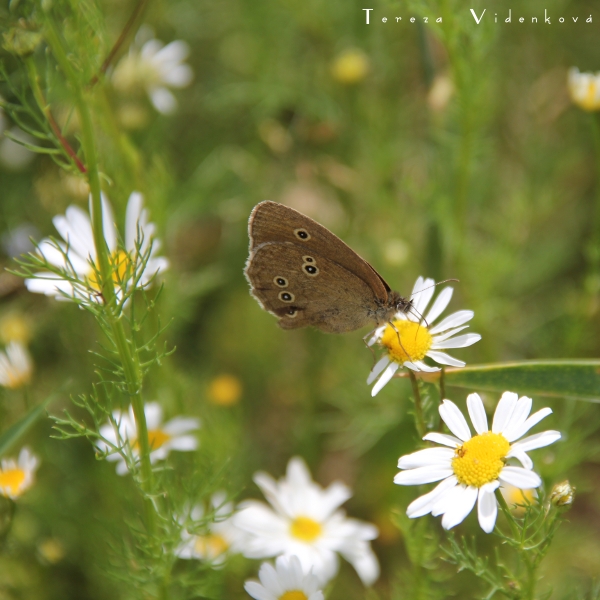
{"x": 584, "y": 89}
{"x": 473, "y": 467}
{"x": 414, "y": 336}
{"x": 173, "y": 435}
{"x": 304, "y": 520}
{"x": 155, "y": 68}
{"x": 285, "y": 581}
{"x": 135, "y": 263}
{"x": 222, "y": 538}
{"x": 17, "y": 476}
{"x": 16, "y": 366}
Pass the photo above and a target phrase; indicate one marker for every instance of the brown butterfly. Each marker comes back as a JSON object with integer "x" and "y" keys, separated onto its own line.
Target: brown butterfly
{"x": 305, "y": 275}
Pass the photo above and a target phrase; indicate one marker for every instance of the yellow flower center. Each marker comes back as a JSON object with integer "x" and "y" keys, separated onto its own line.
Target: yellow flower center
{"x": 293, "y": 595}
{"x": 350, "y": 67}
{"x": 480, "y": 460}
{"x": 305, "y": 529}
{"x": 156, "y": 438}
{"x": 11, "y": 481}
{"x": 120, "y": 264}
{"x": 225, "y": 390}
{"x": 590, "y": 101}
{"x": 14, "y": 328}
{"x": 211, "y": 545}
{"x": 409, "y": 341}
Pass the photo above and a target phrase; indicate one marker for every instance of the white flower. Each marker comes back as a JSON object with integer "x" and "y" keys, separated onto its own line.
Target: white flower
{"x": 285, "y": 581}
{"x": 162, "y": 438}
{"x": 16, "y": 366}
{"x": 17, "y": 476}
{"x": 155, "y": 67}
{"x": 584, "y": 89}
{"x": 413, "y": 336}
{"x": 473, "y": 467}
{"x": 222, "y": 538}
{"x": 304, "y": 521}
{"x": 135, "y": 264}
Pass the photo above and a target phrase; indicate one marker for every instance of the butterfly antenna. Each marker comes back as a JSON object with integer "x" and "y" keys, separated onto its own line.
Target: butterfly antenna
{"x": 421, "y": 317}
{"x": 434, "y": 284}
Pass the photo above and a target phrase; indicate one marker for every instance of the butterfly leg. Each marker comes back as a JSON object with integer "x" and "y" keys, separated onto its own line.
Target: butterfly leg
{"x": 399, "y": 339}
{"x": 370, "y": 346}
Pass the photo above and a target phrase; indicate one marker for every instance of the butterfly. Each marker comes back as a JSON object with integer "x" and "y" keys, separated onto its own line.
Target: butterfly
{"x": 305, "y": 275}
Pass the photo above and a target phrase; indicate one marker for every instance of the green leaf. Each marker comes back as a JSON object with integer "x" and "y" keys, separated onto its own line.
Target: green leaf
{"x": 578, "y": 379}
{"x": 15, "y": 432}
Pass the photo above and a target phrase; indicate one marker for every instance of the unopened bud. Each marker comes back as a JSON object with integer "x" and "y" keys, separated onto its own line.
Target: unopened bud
{"x": 21, "y": 42}
{"x": 562, "y": 494}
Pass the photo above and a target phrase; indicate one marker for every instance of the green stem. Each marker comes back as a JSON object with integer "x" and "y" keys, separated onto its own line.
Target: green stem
{"x": 528, "y": 586}
{"x": 509, "y": 517}
{"x": 128, "y": 357}
{"x": 594, "y": 242}
{"x": 34, "y": 81}
{"x": 419, "y": 418}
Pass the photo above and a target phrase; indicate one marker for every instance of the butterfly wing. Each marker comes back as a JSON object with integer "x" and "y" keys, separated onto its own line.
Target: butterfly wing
{"x": 273, "y": 222}
{"x": 304, "y": 288}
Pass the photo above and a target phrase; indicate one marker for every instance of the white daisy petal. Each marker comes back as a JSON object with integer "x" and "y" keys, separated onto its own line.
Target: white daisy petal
{"x": 424, "y": 504}
{"x": 440, "y": 337}
{"x": 429, "y": 456}
{"x": 538, "y": 440}
{"x": 385, "y": 377}
{"x": 163, "y": 100}
{"x": 519, "y": 477}
{"x": 487, "y": 507}
{"x": 439, "y": 306}
{"x": 463, "y": 504}
{"x": 515, "y": 432}
{"x": 132, "y": 219}
{"x": 461, "y": 341}
{"x": 477, "y": 413}
{"x": 454, "y": 320}
{"x": 419, "y": 365}
{"x": 521, "y": 457}
{"x": 422, "y": 475}
{"x": 454, "y": 420}
{"x": 504, "y": 411}
{"x": 445, "y": 359}
{"x": 443, "y": 438}
{"x": 520, "y": 414}
{"x": 379, "y": 366}
{"x": 422, "y": 294}
{"x": 377, "y": 335}
{"x": 446, "y": 501}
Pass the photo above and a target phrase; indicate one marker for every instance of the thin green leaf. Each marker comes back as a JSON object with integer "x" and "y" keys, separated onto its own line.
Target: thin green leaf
{"x": 32, "y": 147}
{"x": 16, "y": 431}
{"x": 578, "y": 379}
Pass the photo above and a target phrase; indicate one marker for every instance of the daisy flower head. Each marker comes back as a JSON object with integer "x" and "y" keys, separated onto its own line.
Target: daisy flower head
{"x": 16, "y": 366}
{"x": 304, "y": 520}
{"x": 285, "y": 581}
{"x": 413, "y": 336}
{"x": 155, "y": 68}
{"x": 119, "y": 437}
{"x": 76, "y": 275}
{"x": 471, "y": 467}
{"x": 16, "y": 476}
{"x": 584, "y": 89}
{"x": 222, "y": 538}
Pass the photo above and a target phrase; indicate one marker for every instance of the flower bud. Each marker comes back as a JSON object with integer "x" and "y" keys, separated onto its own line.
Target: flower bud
{"x": 21, "y": 42}
{"x": 562, "y": 494}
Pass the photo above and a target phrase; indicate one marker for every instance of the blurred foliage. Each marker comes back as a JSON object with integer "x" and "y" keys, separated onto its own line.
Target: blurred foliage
{"x": 451, "y": 150}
